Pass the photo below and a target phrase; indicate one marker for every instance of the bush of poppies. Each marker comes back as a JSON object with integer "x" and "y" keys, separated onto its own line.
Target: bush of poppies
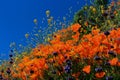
{"x": 86, "y": 50}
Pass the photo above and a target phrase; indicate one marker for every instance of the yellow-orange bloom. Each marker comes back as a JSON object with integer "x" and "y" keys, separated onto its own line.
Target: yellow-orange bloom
{"x": 76, "y": 36}
{"x": 113, "y": 62}
{"x": 75, "y": 27}
{"x": 95, "y": 32}
{"x": 100, "y": 74}
{"x": 86, "y": 69}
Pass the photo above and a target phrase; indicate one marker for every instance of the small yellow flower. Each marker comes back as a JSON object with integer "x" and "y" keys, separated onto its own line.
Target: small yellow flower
{"x": 102, "y": 11}
{"x": 116, "y": 14}
{"x": 108, "y": 21}
{"x": 94, "y": 9}
{"x": 101, "y": 7}
{"x": 48, "y": 39}
{"x": 36, "y": 35}
{"x": 49, "y": 21}
{"x": 47, "y": 13}
{"x": 85, "y": 7}
{"x": 35, "y": 21}
{"x": 91, "y": 7}
{"x": 26, "y": 35}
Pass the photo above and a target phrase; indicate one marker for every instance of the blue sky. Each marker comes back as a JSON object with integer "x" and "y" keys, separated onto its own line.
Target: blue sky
{"x": 16, "y": 18}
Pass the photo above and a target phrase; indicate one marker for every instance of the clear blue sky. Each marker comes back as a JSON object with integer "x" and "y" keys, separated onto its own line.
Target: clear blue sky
{"x": 16, "y": 17}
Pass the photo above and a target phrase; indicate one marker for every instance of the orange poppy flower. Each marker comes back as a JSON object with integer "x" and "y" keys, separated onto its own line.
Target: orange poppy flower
{"x": 95, "y": 32}
{"x": 23, "y": 75}
{"x": 112, "y": 3}
{"x": 60, "y": 59}
{"x": 76, "y": 36}
{"x": 86, "y": 69}
{"x": 118, "y": 64}
{"x": 113, "y": 62}
{"x": 76, "y": 75}
{"x": 21, "y": 65}
{"x": 34, "y": 77}
{"x": 118, "y": 3}
{"x": 15, "y": 75}
{"x": 75, "y": 27}
{"x": 26, "y": 59}
{"x": 115, "y": 12}
{"x": 100, "y": 74}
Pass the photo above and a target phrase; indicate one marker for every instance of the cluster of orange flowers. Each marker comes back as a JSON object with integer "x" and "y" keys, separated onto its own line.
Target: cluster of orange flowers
{"x": 45, "y": 57}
